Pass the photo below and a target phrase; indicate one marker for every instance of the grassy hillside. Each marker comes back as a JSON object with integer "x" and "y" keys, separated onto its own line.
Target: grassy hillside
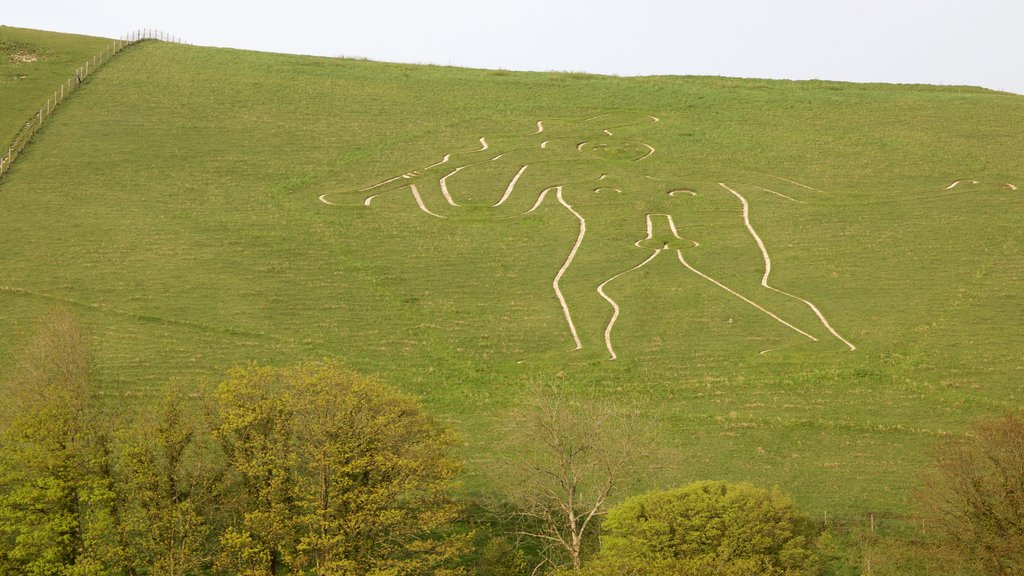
{"x": 33, "y": 64}
{"x": 201, "y": 209}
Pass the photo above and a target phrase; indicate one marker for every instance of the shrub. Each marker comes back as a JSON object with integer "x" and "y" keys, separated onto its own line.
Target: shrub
{"x": 708, "y": 528}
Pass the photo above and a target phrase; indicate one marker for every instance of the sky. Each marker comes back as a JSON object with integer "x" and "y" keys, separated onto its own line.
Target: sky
{"x": 969, "y": 42}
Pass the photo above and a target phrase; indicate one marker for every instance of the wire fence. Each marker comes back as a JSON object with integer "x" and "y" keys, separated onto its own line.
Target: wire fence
{"x": 46, "y": 109}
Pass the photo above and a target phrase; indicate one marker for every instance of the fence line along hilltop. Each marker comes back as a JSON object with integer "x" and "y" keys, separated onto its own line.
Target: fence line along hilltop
{"x": 46, "y": 109}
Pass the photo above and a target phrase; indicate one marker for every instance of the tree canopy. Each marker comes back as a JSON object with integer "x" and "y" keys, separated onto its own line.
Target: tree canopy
{"x": 340, "y": 475}
{"x": 708, "y": 527}
{"x": 311, "y": 469}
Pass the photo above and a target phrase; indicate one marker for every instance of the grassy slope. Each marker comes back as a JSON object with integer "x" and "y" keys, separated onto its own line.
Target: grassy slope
{"x": 175, "y": 200}
{"x": 25, "y": 85}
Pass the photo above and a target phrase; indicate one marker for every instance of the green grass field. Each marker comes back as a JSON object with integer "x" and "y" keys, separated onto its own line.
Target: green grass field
{"x": 201, "y": 209}
{"x": 33, "y": 64}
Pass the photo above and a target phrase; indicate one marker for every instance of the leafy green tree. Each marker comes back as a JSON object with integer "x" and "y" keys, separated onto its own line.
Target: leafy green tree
{"x": 167, "y": 485}
{"x": 256, "y": 432}
{"x": 973, "y": 500}
{"x": 375, "y": 477}
{"x": 58, "y": 510}
{"x": 708, "y": 528}
{"x": 339, "y": 475}
{"x": 500, "y": 557}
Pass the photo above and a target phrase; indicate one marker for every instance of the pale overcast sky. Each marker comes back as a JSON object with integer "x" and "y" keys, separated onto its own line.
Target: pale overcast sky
{"x": 976, "y": 42}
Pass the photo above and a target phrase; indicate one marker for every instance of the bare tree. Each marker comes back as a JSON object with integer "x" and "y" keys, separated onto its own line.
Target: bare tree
{"x": 974, "y": 498}
{"x": 569, "y": 456}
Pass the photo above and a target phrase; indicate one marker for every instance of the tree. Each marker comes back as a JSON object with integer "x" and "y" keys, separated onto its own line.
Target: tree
{"x": 256, "y": 433}
{"x": 500, "y": 557}
{"x": 708, "y": 528}
{"x": 375, "y": 477}
{"x": 167, "y": 484}
{"x": 974, "y": 498}
{"x": 58, "y": 511}
{"x": 569, "y": 455}
{"x": 339, "y": 474}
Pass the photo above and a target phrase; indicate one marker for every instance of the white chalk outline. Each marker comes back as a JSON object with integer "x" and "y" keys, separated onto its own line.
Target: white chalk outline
{"x": 1011, "y": 186}
{"x": 953, "y": 185}
{"x": 671, "y": 226}
{"x": 565, "y": 266}
{"x": 407, "y": 175}
{"x": 436, "y": 164}
{"x": 768, "y": 269}
{"x": 741, "y": 297}
{"x": 540, "y": 198}
{"x": 649, "y": 147}
{"x": 444, "y": 185}
{"x": 780, "y": 194}
{"x": 568, "y": 260}
{"x": 788, "y": 180}
{"x": 511, "y": 185}
{"x": 615, "y": 306}
{"x": 419, "y": 201}
{"x": 379, "y": 184}
{"x": 763, "y": 352}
